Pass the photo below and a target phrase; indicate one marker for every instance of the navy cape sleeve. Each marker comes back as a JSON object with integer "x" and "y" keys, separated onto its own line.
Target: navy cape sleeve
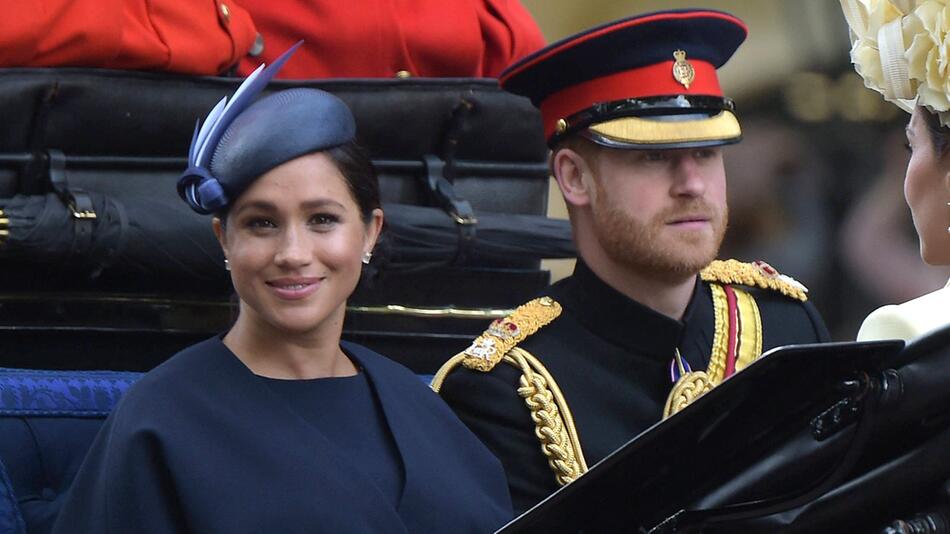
{"x": 123, "y": 485}
{"x": 453, "y": 482}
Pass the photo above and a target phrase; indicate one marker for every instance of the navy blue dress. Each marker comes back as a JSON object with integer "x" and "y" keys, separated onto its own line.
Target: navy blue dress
{"x": 203, "y": 445}
{"x": 349, "y": 415}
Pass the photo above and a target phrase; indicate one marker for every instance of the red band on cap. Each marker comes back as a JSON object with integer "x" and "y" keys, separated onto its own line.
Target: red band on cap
{"x": 652, "y": 80}
{"x": 557, "y": 48}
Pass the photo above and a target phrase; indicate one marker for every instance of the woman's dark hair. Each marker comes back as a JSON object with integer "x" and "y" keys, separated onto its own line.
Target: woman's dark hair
{"x": 939, "y": 135}
{"x": 357, "y": 169}
{"x": 360, "y": 175}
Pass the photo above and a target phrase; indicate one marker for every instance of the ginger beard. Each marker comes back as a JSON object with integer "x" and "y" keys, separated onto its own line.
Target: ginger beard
{"x": 653, "y": 249}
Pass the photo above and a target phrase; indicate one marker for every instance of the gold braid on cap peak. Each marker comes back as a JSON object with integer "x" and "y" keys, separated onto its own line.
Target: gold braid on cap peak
{"x": 755, "y": 274}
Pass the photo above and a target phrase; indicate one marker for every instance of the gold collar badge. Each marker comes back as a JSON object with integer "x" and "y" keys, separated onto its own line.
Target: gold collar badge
{"x": 683, "y": 71}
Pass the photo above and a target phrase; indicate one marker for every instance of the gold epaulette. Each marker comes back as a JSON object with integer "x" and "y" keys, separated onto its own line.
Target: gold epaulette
{"x": 755, "y": 274}
{"x": 504, "y": 334}
{"x": 554, "y": 425}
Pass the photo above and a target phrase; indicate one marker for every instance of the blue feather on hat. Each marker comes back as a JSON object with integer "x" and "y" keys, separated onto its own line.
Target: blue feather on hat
{"x": 201, "y": 190}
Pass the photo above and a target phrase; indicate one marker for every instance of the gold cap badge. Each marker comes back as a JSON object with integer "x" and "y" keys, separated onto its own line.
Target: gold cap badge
{"x": 683, "y": 71}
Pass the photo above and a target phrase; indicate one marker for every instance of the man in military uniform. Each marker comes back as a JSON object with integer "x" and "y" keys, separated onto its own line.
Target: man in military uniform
{"x": 636, "y": 121}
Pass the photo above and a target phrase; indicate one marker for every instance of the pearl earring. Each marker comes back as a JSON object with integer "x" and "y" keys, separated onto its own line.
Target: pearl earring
{"x": 227, "y": 266}
{"x": 366, "y": 257}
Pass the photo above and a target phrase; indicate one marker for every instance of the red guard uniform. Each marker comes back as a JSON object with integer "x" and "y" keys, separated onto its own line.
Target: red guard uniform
{"x": 387, "y": 38}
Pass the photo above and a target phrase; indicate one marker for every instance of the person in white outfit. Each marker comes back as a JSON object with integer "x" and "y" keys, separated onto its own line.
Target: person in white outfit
{"x": 896, "y": 49}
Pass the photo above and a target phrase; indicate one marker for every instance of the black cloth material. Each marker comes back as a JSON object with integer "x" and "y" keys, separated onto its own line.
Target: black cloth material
{"x": 345, "y": 409}
{"x": 200, "y": 444}
{"x": 611, "y": 357}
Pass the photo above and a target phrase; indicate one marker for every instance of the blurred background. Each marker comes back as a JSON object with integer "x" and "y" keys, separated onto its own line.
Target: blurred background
{"x": 816, "y": 186}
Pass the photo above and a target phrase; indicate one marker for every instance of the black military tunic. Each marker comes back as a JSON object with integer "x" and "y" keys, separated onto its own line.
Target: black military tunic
{"x": 611, "y": 358}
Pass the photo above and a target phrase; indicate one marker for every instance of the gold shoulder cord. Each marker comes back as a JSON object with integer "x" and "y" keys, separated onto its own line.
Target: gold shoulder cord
{"x": 688, "y": 388}
{"x": 444, "y": 371}
{"x": 717, "y": 360}
{"x": 748, "y": 343}
{"x": 554, "y": 424}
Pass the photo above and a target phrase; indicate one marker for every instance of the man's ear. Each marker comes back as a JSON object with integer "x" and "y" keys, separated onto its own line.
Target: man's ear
{"x": 574, "y": 176}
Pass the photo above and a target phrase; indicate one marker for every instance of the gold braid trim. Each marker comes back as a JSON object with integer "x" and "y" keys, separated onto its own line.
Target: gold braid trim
{"x": 554, "y": 425}
{"x": 688, "y": 388}
{"x": 503, "y": 334}
{"x": 693, "y": 385}
{"x": 755, "y": 274}
{"x": 716, "y": 369}
{"x": 750, "y": 339}
{"x": 444, "y": 371}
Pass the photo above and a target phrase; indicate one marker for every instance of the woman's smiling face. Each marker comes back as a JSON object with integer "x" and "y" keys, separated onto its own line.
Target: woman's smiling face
{"x": 294, "y": 241}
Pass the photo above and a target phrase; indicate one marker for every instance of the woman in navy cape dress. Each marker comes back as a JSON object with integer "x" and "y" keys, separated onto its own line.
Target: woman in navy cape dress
{"x": 278, "y": 425}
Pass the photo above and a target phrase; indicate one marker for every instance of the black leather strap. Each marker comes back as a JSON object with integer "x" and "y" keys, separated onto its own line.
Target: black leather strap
{"x": 77, "y": 200}
{"x": 458, "y": 208}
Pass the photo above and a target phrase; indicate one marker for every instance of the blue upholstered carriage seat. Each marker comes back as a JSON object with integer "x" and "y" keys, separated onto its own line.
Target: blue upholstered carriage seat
{"x": 48, "y": 420}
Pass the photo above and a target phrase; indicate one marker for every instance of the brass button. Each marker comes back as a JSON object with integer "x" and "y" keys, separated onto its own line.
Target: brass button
{"x": 561, "y": 125}
{"x": 226, "y": 12}
{"x": 404, "y": 74}
{"x": 545, "y": 301}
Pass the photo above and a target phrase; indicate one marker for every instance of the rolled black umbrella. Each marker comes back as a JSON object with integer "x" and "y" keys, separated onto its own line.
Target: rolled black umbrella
{"x": 147, "y": 240}
{"x": 421, "y": 237}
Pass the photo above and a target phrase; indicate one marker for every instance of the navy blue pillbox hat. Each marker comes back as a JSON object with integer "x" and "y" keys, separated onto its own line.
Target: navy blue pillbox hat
{"x": 647, "y": 81}
{"x": 239, "y": 141}
{"x": 275, "y": 130}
